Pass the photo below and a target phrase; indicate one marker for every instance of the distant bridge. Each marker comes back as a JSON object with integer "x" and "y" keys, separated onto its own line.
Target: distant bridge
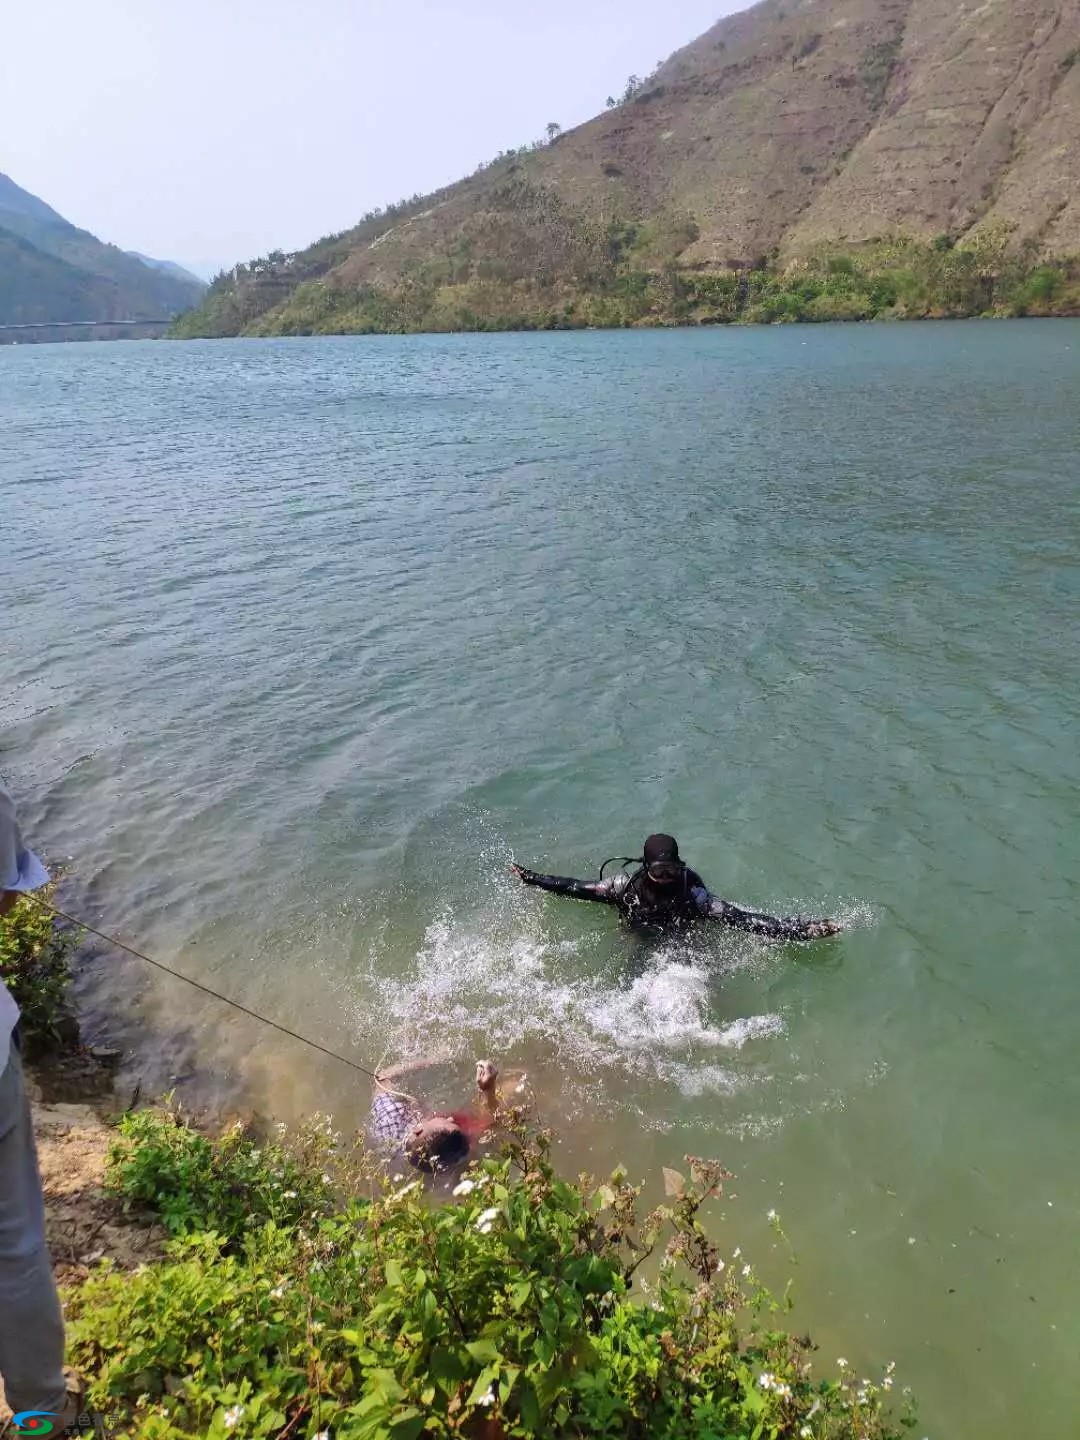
{"x": 157, "y": 324}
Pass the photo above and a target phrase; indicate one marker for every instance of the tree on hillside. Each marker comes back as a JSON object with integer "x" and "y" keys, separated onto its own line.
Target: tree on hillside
{"x": 553, "y": 131}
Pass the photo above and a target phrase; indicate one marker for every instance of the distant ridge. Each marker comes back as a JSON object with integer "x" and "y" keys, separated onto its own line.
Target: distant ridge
{"x": 52, "y": 271}
{"x": 169, "y": 267}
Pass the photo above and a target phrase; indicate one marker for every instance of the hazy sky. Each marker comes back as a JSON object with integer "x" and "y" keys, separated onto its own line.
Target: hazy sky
{"x": 209, "y": 131}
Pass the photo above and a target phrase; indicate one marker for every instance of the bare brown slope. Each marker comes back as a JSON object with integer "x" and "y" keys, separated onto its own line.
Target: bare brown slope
{"x": 794, "y": 124}
{"x": 972, "y": 86}
{"x": 1040, "y": 192}
{"x": 740, "y": 130}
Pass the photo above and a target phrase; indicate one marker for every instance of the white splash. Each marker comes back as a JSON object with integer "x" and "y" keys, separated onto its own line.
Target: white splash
{"x": 501, "y": 993}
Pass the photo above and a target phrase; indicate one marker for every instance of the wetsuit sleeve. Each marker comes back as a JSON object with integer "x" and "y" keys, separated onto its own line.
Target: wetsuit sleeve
{"x": 789, "y": 927}
{"x": 602, "y": 890}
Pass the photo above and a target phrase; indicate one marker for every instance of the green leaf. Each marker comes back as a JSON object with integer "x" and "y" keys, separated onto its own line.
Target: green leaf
{"x": 384, "y": 1384}
{"x": 548, "y": 1386}
{"x": 407, "y": 1424}
{"x": 520, "y": 1294}
{"x": 446, "y": 1364}
{"x": 393, "y": 1272}
{"x": 529, "y": 1407}
{"x": 485, "y": 1382}
{"x": 753, "y": 1399}
{"x": 485, "y": 1352}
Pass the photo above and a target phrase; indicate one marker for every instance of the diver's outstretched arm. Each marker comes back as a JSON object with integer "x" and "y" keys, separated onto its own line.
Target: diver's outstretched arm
{"x": 602, "y": 890}
{"x": 788, "y": 927}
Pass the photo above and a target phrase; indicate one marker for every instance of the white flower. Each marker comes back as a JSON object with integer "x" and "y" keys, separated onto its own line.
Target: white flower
{"x": 232, "y": 1416}
{"x": 766, "y": 1381}
{"x": 486, "y": 1219}
{"x": 746, "y": 1272}
{"x": 278, "y": 1291}
{"x": 784, "y": 1391}
{"x": 464, "y": 1187}
{"x": 719, "y": 1267}
{"x": 887, "y": 1383}
{"x": 644, "y": 1285}
{"x": 842, "y": 1363}
{"x": 771, "y": 1216}
{"x": 397, "y": 1194}
{"x": 805, "y": 1432}
{"x": 488, "y": 1399}
{"x": 288, "y": 1194}
{"x": 736, "y": 1252}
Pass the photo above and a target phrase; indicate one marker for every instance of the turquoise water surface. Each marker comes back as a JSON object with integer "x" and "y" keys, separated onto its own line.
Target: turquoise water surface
{"x": 304, "y": 640}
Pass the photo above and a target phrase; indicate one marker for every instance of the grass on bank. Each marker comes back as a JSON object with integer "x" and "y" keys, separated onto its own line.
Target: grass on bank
{"x": 518, "y": 1308}
{"x": 35, "y": 965}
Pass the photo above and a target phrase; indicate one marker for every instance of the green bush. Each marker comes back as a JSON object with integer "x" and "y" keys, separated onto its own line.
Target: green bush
{"x": 35, "y": 966}
{"x": 1039, "y": 290}
{"x": 508, "y": 1313}
{"x": 224, "y": 1185}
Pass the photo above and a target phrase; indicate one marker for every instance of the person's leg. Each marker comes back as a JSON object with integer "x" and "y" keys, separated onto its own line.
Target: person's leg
{"x": 31, "y": 1328}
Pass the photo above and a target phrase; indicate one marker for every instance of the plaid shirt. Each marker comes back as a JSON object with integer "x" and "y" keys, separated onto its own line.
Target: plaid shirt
{"x": 392, "y": 1116}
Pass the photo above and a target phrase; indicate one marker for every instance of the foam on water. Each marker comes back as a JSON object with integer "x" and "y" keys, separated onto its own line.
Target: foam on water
{"x": 479, "y": 989}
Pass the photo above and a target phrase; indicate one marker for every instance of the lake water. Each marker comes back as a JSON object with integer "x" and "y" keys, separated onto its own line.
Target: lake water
{"x": 305, "y": 639}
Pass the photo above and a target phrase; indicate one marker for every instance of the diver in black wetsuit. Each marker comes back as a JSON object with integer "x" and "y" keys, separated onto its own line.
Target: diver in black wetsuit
{"x": 663, "y": 893}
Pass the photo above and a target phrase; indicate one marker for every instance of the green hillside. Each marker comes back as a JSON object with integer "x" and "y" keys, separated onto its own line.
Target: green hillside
{"x": 52, "y": 271}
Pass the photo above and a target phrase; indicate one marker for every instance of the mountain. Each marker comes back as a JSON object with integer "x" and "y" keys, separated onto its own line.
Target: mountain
{"x": 52, "y": 271}
{"x": 803, "y": 159}
{"x": 15, "y": 201}
{"x": 168, "y": 267}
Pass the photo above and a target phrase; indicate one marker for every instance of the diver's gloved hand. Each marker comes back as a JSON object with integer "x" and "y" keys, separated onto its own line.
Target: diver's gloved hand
{"x": 527, "y": 877}
{"x": 820, "y": 929}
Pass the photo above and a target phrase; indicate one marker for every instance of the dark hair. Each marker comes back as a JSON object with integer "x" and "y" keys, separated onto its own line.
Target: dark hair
{"x": 439, "y": 1148}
